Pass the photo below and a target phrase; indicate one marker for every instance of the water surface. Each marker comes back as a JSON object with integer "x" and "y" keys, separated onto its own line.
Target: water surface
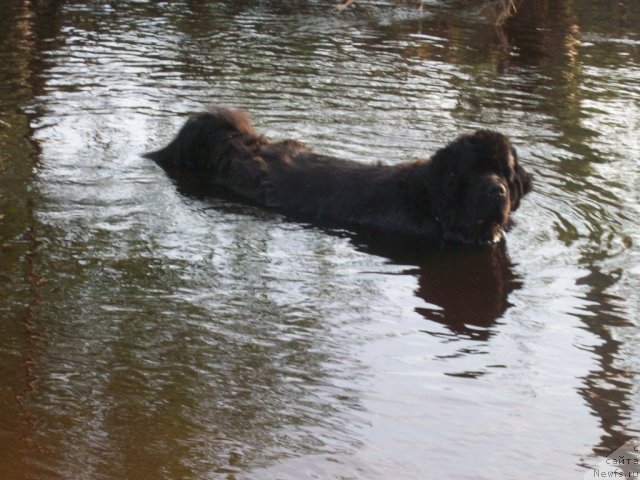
{"x": 150, "y": 331}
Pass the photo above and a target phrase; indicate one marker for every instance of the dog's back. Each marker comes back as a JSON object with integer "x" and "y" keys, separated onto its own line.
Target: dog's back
{"x": 222, "y": 147}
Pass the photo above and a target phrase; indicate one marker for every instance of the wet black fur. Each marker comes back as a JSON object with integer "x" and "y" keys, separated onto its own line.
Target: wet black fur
{"x": 464, "y": 193}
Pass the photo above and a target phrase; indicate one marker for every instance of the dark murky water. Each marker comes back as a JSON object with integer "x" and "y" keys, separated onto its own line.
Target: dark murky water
{"x": 149, "y": 332}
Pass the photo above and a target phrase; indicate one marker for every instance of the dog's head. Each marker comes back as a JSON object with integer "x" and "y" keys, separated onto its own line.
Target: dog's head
{"x": 475, "y": 183}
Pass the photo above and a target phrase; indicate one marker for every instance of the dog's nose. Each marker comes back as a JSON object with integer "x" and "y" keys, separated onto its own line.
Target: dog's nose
{"x": 497, "y": 190}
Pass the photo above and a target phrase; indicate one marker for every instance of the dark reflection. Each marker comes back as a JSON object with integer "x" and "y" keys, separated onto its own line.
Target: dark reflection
{"x": 27, "y": 29}
{"x": 471, "y": 287}
{"x": 544, "y": 33}
{"x": 468, "y": 287}
{"x": 608, "y": 389}
{"x": 546, "y": 36}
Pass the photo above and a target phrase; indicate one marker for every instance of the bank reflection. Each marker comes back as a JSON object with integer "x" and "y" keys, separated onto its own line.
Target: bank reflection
{"x": 27, "y": 31}
{"x": 609, "y": 388}
{"x": 547, "y": 37}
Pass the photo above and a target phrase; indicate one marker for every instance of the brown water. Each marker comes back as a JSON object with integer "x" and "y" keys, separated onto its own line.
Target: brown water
{"x": 148, "y": 331}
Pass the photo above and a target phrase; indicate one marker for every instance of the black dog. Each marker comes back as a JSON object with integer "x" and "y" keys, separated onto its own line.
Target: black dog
{"x": 465, "y": 193}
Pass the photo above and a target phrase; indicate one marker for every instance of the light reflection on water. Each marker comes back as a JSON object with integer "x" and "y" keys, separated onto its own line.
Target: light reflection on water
{"x": 151, "y": 331}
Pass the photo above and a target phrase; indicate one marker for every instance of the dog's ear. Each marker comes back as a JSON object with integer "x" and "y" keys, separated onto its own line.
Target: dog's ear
{"x": 449, "y": 162}
{"x": 520, "y": 186}
{"x": 525, "y": 179}
{"x": 445, "y": 170}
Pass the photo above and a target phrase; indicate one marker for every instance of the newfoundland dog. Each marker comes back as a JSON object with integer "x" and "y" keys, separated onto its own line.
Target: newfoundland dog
{"x": 465, "y": 193}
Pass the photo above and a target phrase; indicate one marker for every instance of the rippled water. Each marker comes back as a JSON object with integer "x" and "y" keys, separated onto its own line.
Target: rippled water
{"x": 151, "y": 331}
